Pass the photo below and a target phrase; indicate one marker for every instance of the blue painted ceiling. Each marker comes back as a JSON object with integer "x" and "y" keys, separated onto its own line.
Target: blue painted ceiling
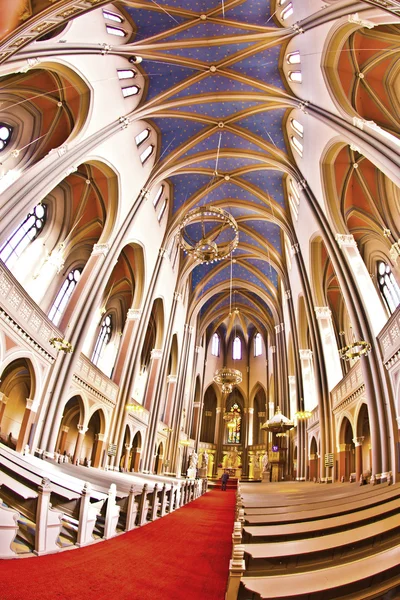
{"x": 180, "y": 41}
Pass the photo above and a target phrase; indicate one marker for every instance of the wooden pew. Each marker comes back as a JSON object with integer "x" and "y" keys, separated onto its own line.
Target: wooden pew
{"x": 8, "y": 530}
{"x": 263, "y": 533}
{"x": 36, "y": 507}
{"x": 349, "y": 580}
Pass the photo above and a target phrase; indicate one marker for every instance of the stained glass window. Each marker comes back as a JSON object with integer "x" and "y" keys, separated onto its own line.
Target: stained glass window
{"x": 23, "y": 235}
{"x": 237, "y": 349}
{"x": 215, "y": 345}
{"x": 5, "y": 135}
{"x": 234, "y": 424}
{"x": 103, "y": 339}
{"x": 257, "y": 344}
{"x": 64, "y": 295}
{"x": 388, "y": 286}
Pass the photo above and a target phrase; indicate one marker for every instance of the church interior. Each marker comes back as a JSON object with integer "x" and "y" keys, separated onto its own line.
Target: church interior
{"x": 255, "y": 333}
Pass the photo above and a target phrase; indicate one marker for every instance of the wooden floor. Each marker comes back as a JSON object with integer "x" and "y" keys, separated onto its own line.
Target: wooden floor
{"x": 320, "y": 541}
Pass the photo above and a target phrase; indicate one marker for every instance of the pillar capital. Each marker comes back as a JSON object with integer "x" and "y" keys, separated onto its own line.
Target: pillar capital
{"x": 100, "y": 437}
{"x": 178, "y": 296}
{"x": 172, "y": 378}
{"x": 156, "y": 354}
{"x": 32, "y": 405}
{"x": 345, "y": 241}
{"x": 292, "y": 379}
{"x": 198, "y": 349}
{"x": 81, "y": 429}
{"x": 305, "y": 354}
{"x": 65, "y": 429}
{"x": 100, "y": 249}
{"x": 273, "y": 349}
{"x": 128, "y": 447}
{"x": 358, "y": 441}
{"x": 280, "y": 327}
{"x": 134, "y": 314}
{"x": 3, "y": 398}
{"x": 288, "y": 294}
{"x": 294, "y": 249}
{"x": 322, "y": 312}
{"x": 162, "y": 252}
{"x": 188, "y": 328}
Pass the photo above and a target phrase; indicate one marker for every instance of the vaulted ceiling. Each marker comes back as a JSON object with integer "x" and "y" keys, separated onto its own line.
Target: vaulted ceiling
{"x": 216, "y": 95}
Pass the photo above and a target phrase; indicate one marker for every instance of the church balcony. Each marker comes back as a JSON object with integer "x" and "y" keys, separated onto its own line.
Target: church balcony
{"x": 389, "y": 340}
{"x": 348, "y": 389}
{"x": 29, "y": 326}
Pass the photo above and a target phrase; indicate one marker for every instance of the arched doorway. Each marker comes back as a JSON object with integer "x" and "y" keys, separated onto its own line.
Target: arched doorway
{"x": 158, "y": 463}
{"x": 126, "y": 457}
{"x": 363, "y": 444}
{"x": 313, "y": 459}
{"x": 93, "y": 445}
{"x": 209, "y": 416}
{"x": 71, "y": 424}
{"x": 16, "y": 416}
{"x": 347, "y": 464}
{"x": 136, "y": 451}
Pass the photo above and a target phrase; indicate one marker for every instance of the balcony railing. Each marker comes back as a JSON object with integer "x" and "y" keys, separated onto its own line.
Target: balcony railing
{"x": 351, "y": 383}
{"x": 389, "y": 338}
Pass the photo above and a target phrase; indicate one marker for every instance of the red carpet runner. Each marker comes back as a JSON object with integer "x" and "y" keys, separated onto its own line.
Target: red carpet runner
{"x": 182, "y": 556}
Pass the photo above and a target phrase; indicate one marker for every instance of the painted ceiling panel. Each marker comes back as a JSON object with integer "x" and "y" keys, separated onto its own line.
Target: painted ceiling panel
{"x": 255, "y": 13}
{"x": 179, "y": 75}
{"x": 212, "y": 83}
{"x": 209, "y": 54}
{"x": 218, "y": 110}
{"x": 263, "y": 66}
{"x": 266, "y": 179}
{"x": 267, "y": 125}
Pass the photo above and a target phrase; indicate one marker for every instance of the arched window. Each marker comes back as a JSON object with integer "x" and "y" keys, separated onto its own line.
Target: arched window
{"x": 388, "y": 286}
{"x": 115, "y": 31}
{"x": 237, "y": 349}
{"x": 295, "y": 76}
{"x": 143, "y": 135}
{"x": 293, "y": 58}
{"x": 103, "y": 339}
{"x": 126, "y": 73}
{"x": 64, "y": 295}
{"x": 297, "y": 145}
{"x": 234, "y": 425}
{"x": 158, "y": 196}
{"x": 5, "y": 135}
{"x": 132, "y": 90}
{"x": 24, "y": 235}
{"x": 162, "y": 210}
{"x": 297, "y": 126}
{"x": 287, "y": 11}
{"x": 215, "y": 344}
{"x": 257, "y": 344}
{"x": 111, "y": 16}
{"x": 146, "y": 153}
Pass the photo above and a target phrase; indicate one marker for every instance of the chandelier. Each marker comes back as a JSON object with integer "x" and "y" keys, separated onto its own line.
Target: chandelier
{"x": 61, "y": 345}
{"x": 204, "y": 233}
{"x": 355, "y": 349}
{"x": 227, "y": 378}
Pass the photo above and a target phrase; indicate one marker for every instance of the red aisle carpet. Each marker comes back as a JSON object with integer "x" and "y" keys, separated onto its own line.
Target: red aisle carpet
{"x": 183, "y": 556}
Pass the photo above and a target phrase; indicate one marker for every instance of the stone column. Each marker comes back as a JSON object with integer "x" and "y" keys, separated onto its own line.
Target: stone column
{"x": 313, "y": 463}
{"x": 3, "y": 404}
{"x": 196, "y": 419}
{"x": 166, "y": 414}
{"x": 250, "y": 426}
{"x": 344, "y": 460}
{"x": 292, "y": 396}
{"x": 27, "y": 421}
{"x": 218, "y": 439}
{"x": 154, "y": 368}
{"x": 307, "y": 371}
{"x": 129, "y": 333}
{"x": 63, "y": 438}
{"x": 99, "y": 445}
{"x": 362, "y": 280}
{"x": 136, "y": 455}
{"x": 332, "y": 361}
{"x": 79, "y": 442}
{"x": 359, "y": 464}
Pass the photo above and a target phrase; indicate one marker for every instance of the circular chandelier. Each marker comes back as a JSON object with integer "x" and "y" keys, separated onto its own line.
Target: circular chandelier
{"x": 204, "y": 233}
{"x": 355, "y": 349}
{"x": 227, "y": 378}
{"x": 303, "y": 415}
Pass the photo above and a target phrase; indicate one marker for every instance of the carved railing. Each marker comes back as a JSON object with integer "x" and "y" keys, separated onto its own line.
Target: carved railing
{"x": 24, "y": 316}
{"x": 392, "y": 6}
{"x": 351, "y": 386}
{"x": 389, "y": 340}
{"x": 34, "y": 328}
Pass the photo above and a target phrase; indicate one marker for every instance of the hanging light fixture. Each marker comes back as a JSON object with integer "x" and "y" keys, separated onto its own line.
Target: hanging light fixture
{"x": 215, "y": 239}
{"x": 227, "y": 377}
{"x": 354, "y": 350}
{"x": 61, "y": 345}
